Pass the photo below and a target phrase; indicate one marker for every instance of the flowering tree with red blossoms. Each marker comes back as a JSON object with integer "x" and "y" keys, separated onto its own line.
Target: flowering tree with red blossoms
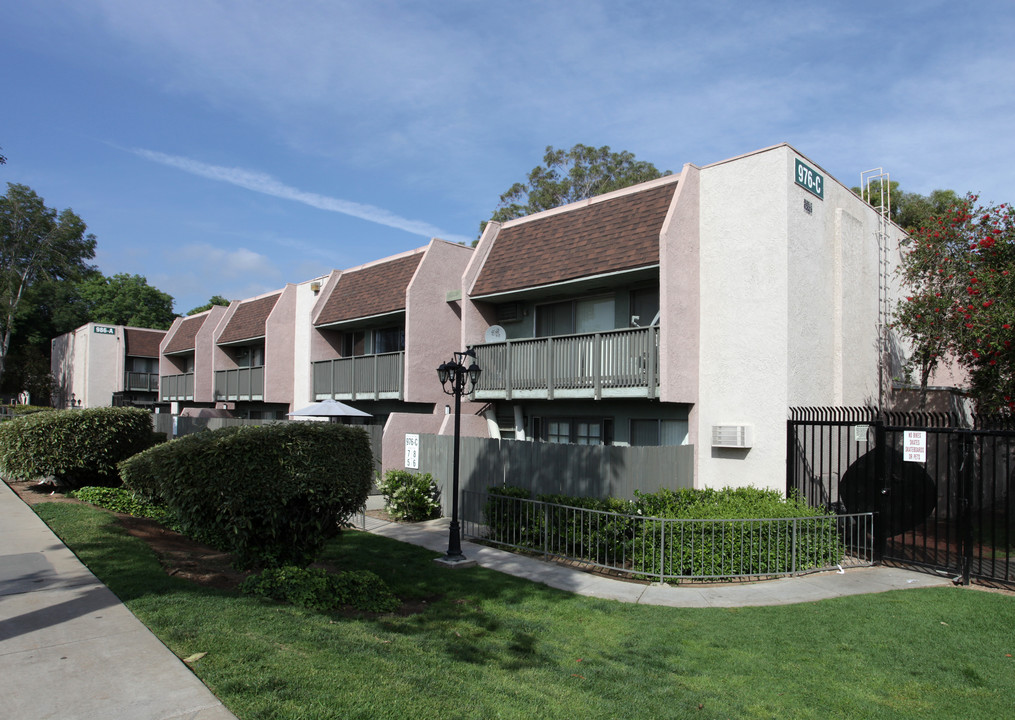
{"x": 959, "y": 267}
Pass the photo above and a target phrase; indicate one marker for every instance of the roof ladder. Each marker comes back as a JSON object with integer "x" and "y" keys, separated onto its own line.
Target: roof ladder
{"x": 876, "y": 189}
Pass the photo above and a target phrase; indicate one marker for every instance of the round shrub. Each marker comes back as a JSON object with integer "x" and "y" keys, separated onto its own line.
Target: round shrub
{"x": 410, "y": 496}
{"x": 80, "y": 447}
{"x": 270, "y": 494}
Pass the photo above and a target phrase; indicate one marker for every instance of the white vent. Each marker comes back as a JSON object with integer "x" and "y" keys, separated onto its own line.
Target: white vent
{"x": 732, "y": 436}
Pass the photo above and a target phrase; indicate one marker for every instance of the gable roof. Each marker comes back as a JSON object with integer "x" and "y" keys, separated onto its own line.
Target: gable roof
{"x": 248, "y": 320}
{"x": 596, "y": 237}
{"x": 185, "y": 337}
{"x": 142, "y": 343}
{"x": 373, "y": 290}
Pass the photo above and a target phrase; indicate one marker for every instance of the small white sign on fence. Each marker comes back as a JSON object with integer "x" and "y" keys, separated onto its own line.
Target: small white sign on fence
{"x": 412, "y": 451}
{"x": 915, "y": 447}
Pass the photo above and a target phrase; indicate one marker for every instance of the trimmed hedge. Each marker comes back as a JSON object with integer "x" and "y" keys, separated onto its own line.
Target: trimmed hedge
{"x": 643, "y": 532}
{"x": 81, "y": 447}
{"x": 271, "y": 494}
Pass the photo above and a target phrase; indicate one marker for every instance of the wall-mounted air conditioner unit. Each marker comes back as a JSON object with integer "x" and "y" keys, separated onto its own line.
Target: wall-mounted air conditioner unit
{"x": 732, "y": 436}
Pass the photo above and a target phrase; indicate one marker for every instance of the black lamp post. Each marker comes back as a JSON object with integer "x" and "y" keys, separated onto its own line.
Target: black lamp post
{"x": 453, "y": 376}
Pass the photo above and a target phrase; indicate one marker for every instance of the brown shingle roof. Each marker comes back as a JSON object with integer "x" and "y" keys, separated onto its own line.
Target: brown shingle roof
{"x": 143, "y": 343}
{"x": 248, "y": 320}
{"x": 374, "y": 290}
{"x": 185, "y": 337}
{"x": 621, "y": 233}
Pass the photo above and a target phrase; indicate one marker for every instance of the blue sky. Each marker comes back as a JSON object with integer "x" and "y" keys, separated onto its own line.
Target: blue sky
{"x": 231, "y": 146}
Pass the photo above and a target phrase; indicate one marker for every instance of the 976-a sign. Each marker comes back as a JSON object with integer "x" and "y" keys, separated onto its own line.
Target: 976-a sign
{"x": 810, "y": 179}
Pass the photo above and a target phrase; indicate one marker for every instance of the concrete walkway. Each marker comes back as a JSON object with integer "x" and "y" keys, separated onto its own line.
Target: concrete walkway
{"x": 69, "y": 649}
{"x": 433, "y": 535}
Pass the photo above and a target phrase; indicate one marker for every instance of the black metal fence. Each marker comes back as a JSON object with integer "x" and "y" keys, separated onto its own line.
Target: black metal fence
{"x": 944, "y": 495}
{"x": 662, "y": 549}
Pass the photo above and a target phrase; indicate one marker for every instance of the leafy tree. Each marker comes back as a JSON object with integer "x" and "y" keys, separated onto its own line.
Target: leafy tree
{"x": 215, "y": 300}
{"x": 3, "y": 160}
{"x": 571, "y": 175}
{"x": 127, "y": 300}
{"x": 910, "y": 210}
{"x": 36, "y": 243}
{"x": 960, "y": 268}
{"x": 48, "y": 309}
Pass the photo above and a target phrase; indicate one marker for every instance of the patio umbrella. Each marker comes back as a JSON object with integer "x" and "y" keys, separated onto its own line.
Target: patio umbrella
{"x": 329, "y": 409}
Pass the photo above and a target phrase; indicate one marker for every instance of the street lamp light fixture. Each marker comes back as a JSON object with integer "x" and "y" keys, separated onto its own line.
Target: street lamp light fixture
{"x": 457, "y": 379}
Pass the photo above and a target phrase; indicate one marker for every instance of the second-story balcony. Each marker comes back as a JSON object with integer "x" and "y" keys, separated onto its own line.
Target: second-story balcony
{"x": 615, "y": 363}
{"x": 174, "y": 388}
{"x": 240, "y": 384}
{"x": 141, "y": 382}
{"x": 364, "y": 377}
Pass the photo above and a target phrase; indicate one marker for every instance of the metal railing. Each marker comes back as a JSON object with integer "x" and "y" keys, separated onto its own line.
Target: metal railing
{"x": 141, "y": 382}
{"x": 240, "y": 384}
{"x": 177, "y": 387}
{"x": 662, "y": 549}
{"x": 619, "y": 363}
{"x": 370, "y": 377}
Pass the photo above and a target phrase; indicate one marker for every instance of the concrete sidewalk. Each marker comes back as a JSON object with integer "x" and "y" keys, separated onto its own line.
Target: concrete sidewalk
{"x": 69, "y": 649}
{"x": 433, "y": 535}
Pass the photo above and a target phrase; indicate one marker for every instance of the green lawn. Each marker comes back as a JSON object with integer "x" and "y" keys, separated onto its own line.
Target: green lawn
{"x": 494, "y": 646}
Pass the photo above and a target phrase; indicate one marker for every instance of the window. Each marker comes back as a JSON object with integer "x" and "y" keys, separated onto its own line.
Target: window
{"x": 575, "y": 316}
{"x": 658, "y": 432}
{"x": 142, "y": 365}
{"x": 558, "y": 431}
{"x": 250, "y": 357}
{"x": 389, "y": 340}
{"x": 354, "y": 343}
{"x": 370, "y": 342}
{"x": 644, "y": 306}
{"x": 576, "y": 431}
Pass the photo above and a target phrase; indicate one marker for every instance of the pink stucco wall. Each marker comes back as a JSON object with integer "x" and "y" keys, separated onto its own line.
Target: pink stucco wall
{"x": 279, "y": 348}
{"x": 431, "y": 321}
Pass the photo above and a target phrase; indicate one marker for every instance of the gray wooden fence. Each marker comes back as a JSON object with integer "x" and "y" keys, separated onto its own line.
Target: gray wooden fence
{"x": 579, "y": 470}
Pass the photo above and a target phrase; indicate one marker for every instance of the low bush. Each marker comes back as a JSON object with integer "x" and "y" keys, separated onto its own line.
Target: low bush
{"x": 79, "y": 447}
{"x": 316, "y": 589}
{"x": 510, "y": 520}
{"x": 271, "y": 495}
{"x": 124, "y": 501}
{"x": 410, "y": 496}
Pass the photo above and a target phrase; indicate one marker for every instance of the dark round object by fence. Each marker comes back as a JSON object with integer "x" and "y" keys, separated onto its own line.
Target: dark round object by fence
{"x": 909, "y": 493}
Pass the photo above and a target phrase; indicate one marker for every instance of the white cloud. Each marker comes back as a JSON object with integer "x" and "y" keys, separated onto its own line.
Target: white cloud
{"x": 267, "y": 185}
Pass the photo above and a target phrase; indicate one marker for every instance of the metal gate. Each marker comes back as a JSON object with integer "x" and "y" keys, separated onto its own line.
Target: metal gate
{"x": 944, "y": 495}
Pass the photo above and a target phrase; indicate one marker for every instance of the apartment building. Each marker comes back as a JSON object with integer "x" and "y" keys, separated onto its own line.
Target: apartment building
{"x": 694, "y": 309}
{"x": 102, "y": 365}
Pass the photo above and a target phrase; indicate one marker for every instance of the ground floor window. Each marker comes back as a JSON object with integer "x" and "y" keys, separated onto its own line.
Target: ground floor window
{"x": 576, "y": 431}
{"x": 658, "y": 432}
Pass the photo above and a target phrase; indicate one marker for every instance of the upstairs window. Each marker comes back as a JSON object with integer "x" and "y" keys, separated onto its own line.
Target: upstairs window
{"x": 644, "y": 306}
{"x": 373, "y": 342}
{"x": 389, "y": 340}
{"x": 570, "y": 317}
{"x": 250, "y": 356}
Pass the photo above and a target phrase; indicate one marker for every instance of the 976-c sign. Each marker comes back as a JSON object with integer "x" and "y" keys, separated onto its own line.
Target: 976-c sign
{"x": 810, "y": 179}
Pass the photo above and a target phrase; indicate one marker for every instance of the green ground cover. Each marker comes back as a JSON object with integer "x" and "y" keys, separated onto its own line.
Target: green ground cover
{"x": 487, "y": 645}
